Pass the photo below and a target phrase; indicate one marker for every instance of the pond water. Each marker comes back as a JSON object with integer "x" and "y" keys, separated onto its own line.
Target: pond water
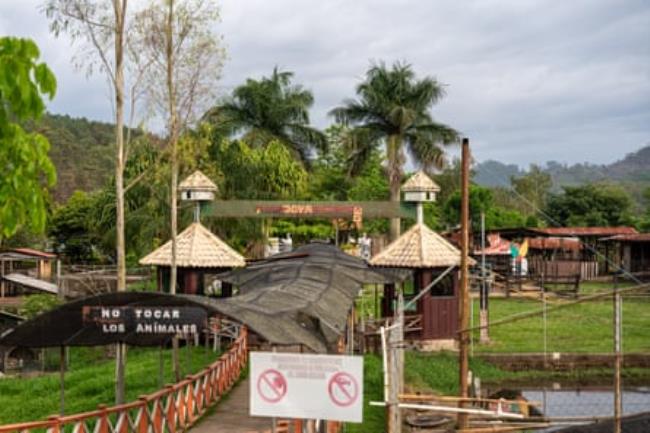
{"x": 572, "y": 402}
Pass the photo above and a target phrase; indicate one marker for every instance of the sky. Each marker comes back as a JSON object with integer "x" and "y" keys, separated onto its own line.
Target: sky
{"x": 526, "y": 81}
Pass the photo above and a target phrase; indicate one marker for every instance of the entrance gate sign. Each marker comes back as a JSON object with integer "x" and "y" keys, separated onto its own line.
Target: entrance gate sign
{"x": 145, "y": 320}
{"x": 294, "y": 385}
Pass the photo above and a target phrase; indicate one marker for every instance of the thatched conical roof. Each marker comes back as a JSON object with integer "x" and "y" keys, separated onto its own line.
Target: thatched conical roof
{"x": 419, "y": 247}
{"x": 198, "y": 181}
{"x": 196, "y": 247}
{"x": 420, "y": 182}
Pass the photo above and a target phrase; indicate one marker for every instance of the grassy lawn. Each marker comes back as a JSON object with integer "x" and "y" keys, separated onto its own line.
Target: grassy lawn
{"x": 90, "y": 382}
{"x": 585, "y": 327}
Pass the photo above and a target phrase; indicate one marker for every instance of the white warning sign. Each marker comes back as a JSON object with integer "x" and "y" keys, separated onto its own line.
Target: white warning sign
{"x": 293, "y": 385}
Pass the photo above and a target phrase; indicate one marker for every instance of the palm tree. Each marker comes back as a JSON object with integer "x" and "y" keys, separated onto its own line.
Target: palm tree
{"x": 392, "y": 109}
{"x": 268, "y": 109}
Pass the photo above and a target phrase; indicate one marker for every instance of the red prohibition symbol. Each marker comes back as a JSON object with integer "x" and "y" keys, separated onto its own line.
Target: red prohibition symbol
{"x": 271, "y": 386}
{"x": 343, "y": 389}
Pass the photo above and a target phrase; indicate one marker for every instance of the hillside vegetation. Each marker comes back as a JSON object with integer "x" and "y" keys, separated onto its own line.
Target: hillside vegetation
{"x": 632, "y": 172}
{"x": 82, "y": 151}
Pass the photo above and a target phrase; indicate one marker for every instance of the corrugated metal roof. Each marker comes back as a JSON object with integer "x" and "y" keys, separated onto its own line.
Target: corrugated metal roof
{"x": 587, "y": 231}
{"x": 196, "y": 247}
{"x": 497, "y": 246}
{"x": 639, "y": 237}
{"x": 419, "y": 247}
{"x": 555, "y": 244}
{"x": 32, "y": 283}
{"x": 420, "y": 182}
{"x": 34, "y": 253}
{"x": 199, "y": 181}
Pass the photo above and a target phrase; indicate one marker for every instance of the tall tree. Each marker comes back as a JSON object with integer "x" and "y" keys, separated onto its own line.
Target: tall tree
{"x": 101, "y": 27}
{"x": 267, "y": 109}
{"x": 590, "y": 205}
{"x": 26, "y": 166}
{"x": 177, "y": 37}
{"x": 392, "y": 110}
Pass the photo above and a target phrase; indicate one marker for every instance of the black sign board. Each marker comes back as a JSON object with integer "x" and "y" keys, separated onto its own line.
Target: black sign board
{"x": 146, "y": 320}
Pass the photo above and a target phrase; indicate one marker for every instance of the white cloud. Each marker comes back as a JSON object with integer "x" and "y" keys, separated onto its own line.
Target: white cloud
{"x": 527, "y": 81}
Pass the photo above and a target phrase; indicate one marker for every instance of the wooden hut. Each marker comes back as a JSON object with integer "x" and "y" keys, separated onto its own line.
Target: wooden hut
{"x": 429, "y": 255}
{"x": 632, "y": 252}
{"x": 199, "y": 255}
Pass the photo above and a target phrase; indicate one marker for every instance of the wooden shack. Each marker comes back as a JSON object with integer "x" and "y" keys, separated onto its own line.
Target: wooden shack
{"x": 632, "y": 252}
{"x": 429, "y": 255}
{"x": 200, "y": 254}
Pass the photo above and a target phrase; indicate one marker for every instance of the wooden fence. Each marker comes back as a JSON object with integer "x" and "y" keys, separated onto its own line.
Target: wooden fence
{"x": 588, "y": 270}
{"x": 173, "y": 408}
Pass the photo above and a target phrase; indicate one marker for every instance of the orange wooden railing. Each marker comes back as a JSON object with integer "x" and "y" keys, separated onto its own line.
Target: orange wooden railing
{"x": 174, "y": 408}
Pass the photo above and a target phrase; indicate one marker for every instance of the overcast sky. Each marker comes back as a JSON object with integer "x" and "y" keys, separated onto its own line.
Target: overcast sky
{"x": 526, "y": 81}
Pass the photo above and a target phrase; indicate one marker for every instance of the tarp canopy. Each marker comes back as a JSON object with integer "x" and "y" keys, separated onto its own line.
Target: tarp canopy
{"x": 304, "y": 296}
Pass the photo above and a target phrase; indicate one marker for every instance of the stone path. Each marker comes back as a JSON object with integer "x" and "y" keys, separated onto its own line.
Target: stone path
{"x": 231, "y": 415}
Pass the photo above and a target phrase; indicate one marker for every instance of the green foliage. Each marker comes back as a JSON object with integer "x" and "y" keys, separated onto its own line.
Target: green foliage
{"x": 590, "y": 205}
{"x": 392, "y": 112}
{"x": 37, "y": 304}
{"x": 26, "y": 167}
{"x": 70, "y": 227}
{"x": 269, "y": 109}
{"x": 481, "y": 199}
{"x": 81, "y": 150}
{"x": 534, "y": 187}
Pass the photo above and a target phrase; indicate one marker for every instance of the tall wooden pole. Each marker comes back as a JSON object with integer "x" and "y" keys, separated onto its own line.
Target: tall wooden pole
{"x": 62, "y": 380}
{"x": 617, "y": 362}
{"x": 464, "y": 282}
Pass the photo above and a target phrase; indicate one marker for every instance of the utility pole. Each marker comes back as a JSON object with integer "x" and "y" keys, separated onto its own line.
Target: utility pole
{"x": 463, "y": 419}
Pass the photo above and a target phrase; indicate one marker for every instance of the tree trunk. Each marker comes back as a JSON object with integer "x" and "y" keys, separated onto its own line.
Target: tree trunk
{"x": 119, "y": 10}
{"x": 394, "y": 179}
{"x": 173, "y": 143}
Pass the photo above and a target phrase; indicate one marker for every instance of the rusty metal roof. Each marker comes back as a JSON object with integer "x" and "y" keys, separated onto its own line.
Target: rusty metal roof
{"x": 555, "y": 244}
{"x": 196, "y": 247}
{"x": 587, "y": 231}
{"x": 639, "y": 237}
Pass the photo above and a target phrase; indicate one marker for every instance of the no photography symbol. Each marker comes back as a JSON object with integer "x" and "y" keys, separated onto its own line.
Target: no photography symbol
{"x": 343, "y": 389}
{"x": 271, "y": 386}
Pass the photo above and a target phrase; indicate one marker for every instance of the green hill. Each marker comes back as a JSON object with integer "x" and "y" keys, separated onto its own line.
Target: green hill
{"x": 82, "y": 151}
{"x": 632, "y": 171}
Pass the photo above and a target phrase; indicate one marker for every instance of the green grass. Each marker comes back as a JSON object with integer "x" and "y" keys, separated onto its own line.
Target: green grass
{"x": 90, "y": 381}
{"x": 585, "y": 327}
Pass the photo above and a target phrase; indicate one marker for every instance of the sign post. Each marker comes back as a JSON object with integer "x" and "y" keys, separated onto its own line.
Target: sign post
{"x": 327, "y": 387}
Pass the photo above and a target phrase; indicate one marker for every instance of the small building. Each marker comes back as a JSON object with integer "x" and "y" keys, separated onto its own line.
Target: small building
{"x": 26, "y": 268}
{"x": 428, "y": 254}
{"x": 200, "y": 254}
{"x": 594, "y": 256}
{"x": 632, "y": 252}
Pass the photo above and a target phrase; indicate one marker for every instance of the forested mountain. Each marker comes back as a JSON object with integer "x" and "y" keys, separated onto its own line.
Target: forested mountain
{"x": 633, "y": 171}
{"x": 82, "y": 151}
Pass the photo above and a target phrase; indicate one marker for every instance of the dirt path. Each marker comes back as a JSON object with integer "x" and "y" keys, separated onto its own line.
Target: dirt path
{"x": 231, "y": 415}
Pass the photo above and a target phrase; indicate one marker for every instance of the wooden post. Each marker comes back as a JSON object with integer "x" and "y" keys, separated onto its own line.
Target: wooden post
{"x": 394, "y": 418}
{"x": 463, "y": 420}
{"x": 484, "y": 333}
{"x": 62, "y": 379}
{"x": 120, "y": 356}
{"x": 617, "y": 362}
{"x": 161, "y": 368}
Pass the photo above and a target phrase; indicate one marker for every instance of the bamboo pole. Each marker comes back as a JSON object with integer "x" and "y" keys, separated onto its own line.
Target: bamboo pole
{"x": 464, "y": 286}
